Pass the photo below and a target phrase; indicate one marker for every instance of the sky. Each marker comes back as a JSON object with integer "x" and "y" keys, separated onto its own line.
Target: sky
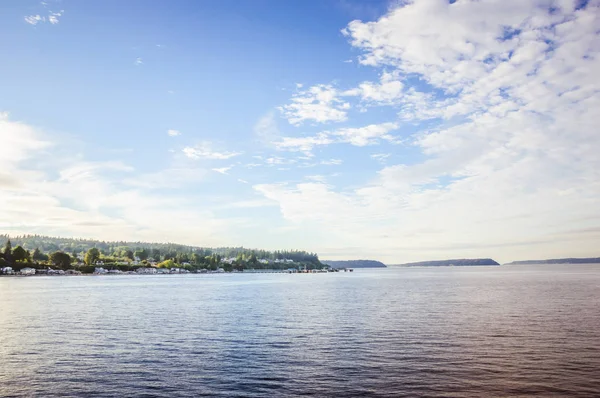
{"x": 390, "y": 130}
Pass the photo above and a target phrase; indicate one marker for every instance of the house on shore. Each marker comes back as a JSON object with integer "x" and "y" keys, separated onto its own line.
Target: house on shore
{"x": 7, "y": 270}
{"x": 28, "y": 271}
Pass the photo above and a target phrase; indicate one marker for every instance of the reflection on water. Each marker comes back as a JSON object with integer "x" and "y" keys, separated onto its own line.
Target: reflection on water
{"x": 504, "y": 331}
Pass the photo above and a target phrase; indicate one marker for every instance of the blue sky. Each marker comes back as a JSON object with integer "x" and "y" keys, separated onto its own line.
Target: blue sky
{"x": 390, "y": 130}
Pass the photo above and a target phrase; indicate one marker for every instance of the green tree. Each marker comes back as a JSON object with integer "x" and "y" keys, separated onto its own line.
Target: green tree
{"x": 129, "y": 254}
{"x": 141, "y": 254}
{"x": 20, "y": 254}
{"x": 166, "y": 264}
{"x": 197, "y": 259}
{"x": 92, "y": 256}
{"x": 253, "y": 260}
{"x": 61, "y": 260}
{"x": 38, "y": 256}
{"x": 8, "y": 248}
{"x": 156, "y": 254}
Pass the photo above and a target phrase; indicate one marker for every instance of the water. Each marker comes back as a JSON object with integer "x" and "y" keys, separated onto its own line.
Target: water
{"x": 509, "y": 331}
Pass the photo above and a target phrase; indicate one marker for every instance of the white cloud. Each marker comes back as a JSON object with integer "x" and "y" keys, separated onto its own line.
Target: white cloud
{"x": 266, "y": 129}
{"x": 332, "y": 162}
{"x": 380, "y": 157}
{"x": 317, "y": 178}
{"x": 276, "y": 160}
{"x": 357, "y": 136}
{"x": 367, "y": 135}
{"x": 204, "y": 151}
{"x": 319, "y": 103}
{"x": 173, "y": 133}
{"x": 53, "y": 18}
{"x": 388, "y": 91}
{"x": 304, "y": 144}
{"x": 223, "y": 170}
{"x": 21, "y": 140}
{"x": 138, "y": 61}
{"x": 34, "y": 19}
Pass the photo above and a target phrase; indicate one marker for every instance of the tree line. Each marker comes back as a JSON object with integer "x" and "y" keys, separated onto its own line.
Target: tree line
{"x": 86, "y": 254}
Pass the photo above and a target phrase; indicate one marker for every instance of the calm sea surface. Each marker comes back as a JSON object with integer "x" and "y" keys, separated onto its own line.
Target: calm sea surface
{"x": 460, "y": 331}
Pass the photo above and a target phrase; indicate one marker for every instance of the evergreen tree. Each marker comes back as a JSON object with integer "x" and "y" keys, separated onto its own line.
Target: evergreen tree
{"x": 8, "y": 248}
{"x": 20, "y": 254}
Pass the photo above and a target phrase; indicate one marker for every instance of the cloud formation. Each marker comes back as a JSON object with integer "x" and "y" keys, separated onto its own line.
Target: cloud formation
{"x": 512, "y": 156}
{"x": 42, "y": 191}
{"x": 319, "y": 103}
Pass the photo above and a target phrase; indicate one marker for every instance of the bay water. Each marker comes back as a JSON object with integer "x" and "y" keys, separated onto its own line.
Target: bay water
{"x": 395, "y": 332}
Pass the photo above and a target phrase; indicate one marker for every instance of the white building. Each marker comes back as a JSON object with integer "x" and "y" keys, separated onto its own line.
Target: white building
{"x": 7, "y": 270}
{"x": 28, "y": 271}
{"x": 100, "y": 271}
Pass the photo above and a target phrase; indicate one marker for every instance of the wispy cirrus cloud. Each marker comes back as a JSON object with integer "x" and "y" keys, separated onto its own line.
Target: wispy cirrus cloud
{"x": 266, "y": 129}
{"x": 380, "y": 157}
{"x": 205, "y": 151}
{"x": 222, "y": 170}
{"x": 332, "y": 162}
{"x": 356, "y": 136}
{"x": 305, "y": 144}
{"x": 173, "y": 133}
{"x": 49, "y": 16}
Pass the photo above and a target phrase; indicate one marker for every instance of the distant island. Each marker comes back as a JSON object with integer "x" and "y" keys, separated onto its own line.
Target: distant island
{"x": 588, "y": 260}
{"x": 448, "y": 263}
{"x": 354, "y": 263}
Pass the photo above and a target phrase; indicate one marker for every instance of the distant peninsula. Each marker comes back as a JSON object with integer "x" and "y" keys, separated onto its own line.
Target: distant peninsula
{"x": 354, "y": 263}
{"x": 588, "y": 260}
{"x": 448, "y": 263}
{"x": 38, "y": 254}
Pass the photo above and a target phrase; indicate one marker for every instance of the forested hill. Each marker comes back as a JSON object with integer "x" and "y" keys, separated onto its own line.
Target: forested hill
{"x": 158, "y": 251}
{"x": 459, "y": 262}
{"x": 354, "y": 263}
{"x": 588, "y": 260}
